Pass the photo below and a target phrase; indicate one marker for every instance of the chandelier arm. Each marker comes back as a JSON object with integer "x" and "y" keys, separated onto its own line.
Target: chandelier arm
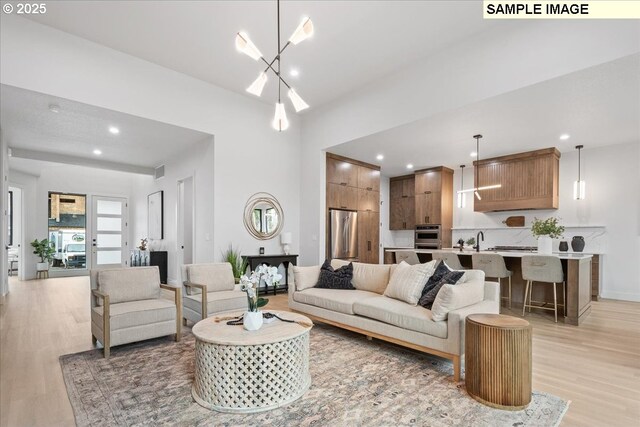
{"x": 269, "y": 66}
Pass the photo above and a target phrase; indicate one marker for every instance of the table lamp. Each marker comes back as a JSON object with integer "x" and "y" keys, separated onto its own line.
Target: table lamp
{"x": 286, "y": 239}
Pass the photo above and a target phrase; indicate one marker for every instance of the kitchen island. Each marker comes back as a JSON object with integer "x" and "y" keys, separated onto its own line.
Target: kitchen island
{"x": 577, "y": 273}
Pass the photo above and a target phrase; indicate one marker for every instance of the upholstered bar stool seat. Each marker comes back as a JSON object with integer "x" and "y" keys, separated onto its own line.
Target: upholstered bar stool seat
{"x": 449, "y": 258}
{"x": 410, "y": 257}
{"x": 493, "y": 266}
{"x": 543, "y": 269}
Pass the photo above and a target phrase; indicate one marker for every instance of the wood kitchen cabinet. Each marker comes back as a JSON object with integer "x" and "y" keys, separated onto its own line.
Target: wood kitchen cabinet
{"x": 342, "y": 197}
{"x": 428, "y": 208}
{"x": 342, "y": 172}
{"x": 368, "y": 237}
{"x": 368, "y": 200}
{"x": 368, "y": 179}
{"x": 428, "y": 180}
{"x": 528, "y": 181}
{"x": 402, "y": 203}
{"x": 434, "y": 200}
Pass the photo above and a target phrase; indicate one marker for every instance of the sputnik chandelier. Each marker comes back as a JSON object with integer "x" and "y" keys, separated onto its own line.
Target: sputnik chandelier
{"x": 244, "y": 45}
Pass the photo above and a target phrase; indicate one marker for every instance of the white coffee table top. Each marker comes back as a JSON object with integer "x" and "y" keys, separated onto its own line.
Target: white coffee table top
{"x": 215, "y": 330}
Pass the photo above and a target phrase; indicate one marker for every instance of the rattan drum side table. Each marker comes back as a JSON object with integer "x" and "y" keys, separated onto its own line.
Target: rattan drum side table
{"x": 498, "y": 360}
{"x": 251, "y": 371}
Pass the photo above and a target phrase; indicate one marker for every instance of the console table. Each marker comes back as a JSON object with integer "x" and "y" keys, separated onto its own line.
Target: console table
{"x": 253, "y": 261}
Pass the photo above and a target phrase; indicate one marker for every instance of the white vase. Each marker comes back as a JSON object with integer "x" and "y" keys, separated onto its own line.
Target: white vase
{"x": 252, "y": 320}
{"x": 545, "y": 245}
{"x": 42, "y": 266}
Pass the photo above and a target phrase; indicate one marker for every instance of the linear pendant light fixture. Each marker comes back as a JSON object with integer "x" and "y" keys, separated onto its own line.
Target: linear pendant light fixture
{"x": 246, "y": 46}
{"x": 462, "y": 197}
{"x": 579, "y": 186}
{"x": 476, "y": 190}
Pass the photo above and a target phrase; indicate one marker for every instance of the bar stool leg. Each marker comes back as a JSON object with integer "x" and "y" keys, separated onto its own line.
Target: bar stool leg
{"x": 555, "y": 302}
{"x": 526, "y": 292}
{"x": 530, "y": 295}
{"x": 564, "y": 301}
{"x": 509, "y": 292}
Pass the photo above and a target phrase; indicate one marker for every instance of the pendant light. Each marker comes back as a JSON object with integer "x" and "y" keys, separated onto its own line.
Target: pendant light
{"x": 462, "y": 197}
{"x": 246, "y": 46}
{"x": 579, "y": 185}
{"x": 476, "y": 190}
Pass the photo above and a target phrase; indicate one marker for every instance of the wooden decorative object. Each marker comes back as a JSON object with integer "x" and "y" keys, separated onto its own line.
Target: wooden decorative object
{"x": 514, "y": 221}
{"x": 498, "y": 360}
{"x": 250, "y": 371}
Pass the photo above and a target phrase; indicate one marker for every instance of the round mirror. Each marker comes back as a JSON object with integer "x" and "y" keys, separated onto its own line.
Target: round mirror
{"x": 263, "y": 216}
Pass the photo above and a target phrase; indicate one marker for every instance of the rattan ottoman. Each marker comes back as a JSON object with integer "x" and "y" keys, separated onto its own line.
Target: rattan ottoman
{"x": 250, "y": 371}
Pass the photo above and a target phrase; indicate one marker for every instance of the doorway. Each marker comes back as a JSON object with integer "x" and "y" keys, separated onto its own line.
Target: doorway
{"x": 67, "y": 223}
{"x": 108, "y": 232}
{"x": 186, "y": 222}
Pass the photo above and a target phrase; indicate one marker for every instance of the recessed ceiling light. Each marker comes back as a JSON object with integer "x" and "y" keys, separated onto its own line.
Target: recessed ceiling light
{"x": 54, "y": 108}
{"x": 565, "y": 136}
{"x": 473, "y": 154}
{"x": 409, "y": 166}
{"x": 114, "y": 130}
{"x": 97, "y": 152}
{"x": 379, "y": 157}
{"x": 294, "y": 72}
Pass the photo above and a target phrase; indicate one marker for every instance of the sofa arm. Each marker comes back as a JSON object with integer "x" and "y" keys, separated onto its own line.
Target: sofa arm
{"x": 456, "y": 322}
{"x": 203, "y": 291}
{"x": 492, "y": 291}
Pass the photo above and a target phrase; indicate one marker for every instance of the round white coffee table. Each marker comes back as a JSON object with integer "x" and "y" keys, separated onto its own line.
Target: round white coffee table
{"x": 250, "y": 371}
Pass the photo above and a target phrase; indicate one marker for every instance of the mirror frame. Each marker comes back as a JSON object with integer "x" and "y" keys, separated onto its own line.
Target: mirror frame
{"x": 253, "y": 201}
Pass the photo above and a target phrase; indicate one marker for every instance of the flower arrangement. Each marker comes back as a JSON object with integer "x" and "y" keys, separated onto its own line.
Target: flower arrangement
{"x": 250, "y": 284}
{"x": 547, "y": 227}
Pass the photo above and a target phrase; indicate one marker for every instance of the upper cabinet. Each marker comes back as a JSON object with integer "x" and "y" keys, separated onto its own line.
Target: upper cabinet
{"x": 428, "y": 181}
{"x": 402, "y": 203}
{"x": 528, "y": 181}
{"x": 368, "y": 179}
{"x": 342, "y": 172}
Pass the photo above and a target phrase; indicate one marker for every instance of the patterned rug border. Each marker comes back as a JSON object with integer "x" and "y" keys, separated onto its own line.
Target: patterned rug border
{"x": 82, "y": 418}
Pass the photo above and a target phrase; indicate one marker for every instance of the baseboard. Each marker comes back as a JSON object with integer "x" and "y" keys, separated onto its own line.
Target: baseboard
{"x": 621, "y": 296}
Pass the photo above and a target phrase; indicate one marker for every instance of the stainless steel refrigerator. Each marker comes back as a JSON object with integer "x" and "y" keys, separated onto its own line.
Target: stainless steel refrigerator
{"x": 343, "y": 226}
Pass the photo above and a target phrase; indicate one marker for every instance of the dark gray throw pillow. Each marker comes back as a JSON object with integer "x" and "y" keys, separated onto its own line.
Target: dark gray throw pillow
{"x": 450, "y": 278}
{"x": 335, "y": 279}
{"x": 438, "y": 274}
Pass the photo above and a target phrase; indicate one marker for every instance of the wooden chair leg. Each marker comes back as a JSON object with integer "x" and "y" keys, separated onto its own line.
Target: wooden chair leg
{"x": 555, "y": 302}
{"x": 456, "y": 368}
{"x": 564, "y": 300}
{"x": 526, "y": 294}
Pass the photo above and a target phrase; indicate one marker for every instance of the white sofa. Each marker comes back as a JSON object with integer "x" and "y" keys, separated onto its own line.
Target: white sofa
{"x": 367, "y": 311}
{"x": 127, "y": 306}
{"x": 222, "y": 294}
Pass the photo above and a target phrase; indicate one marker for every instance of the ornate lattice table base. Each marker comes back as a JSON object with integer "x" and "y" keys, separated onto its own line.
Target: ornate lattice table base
{"x": 242, "y": 371}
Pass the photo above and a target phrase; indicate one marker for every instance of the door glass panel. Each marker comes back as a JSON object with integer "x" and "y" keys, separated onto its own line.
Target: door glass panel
{"x": 109, "y": 257}
{"x": 109, "y": 240}
{"x": 67, "y": 230}
{"x": 108, "y": 207}
{"x": 109, "y": 224}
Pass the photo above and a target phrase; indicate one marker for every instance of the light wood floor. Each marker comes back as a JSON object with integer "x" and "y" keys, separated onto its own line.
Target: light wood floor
{"x": 595, "y": 365}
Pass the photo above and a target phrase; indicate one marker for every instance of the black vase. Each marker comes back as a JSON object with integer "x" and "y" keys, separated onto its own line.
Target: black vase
{"x": 577, "y": 243}
{"x": 564, "y": 246}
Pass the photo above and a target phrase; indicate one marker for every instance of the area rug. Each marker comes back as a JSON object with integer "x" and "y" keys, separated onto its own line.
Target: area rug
{"x": 355, "y": 382}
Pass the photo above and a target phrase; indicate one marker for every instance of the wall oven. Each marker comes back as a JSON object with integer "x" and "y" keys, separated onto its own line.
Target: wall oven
{"x": 428, "y": 236}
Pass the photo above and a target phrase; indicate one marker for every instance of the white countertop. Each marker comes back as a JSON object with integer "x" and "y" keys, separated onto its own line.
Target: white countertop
{"x": 506, "y": 254}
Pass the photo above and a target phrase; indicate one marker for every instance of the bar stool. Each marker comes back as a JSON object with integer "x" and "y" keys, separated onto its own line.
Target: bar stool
{"x": 450, "y": 258}
{"x": 493, "y": 266}
{"x": 410, "y": 257}
{"x": 543, "y": 269}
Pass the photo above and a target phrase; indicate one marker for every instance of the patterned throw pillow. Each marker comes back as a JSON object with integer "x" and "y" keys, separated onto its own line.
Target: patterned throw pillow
{"x": 438, "y": 274}
{"x": 450, "y": 278}
{"x": 335, "y": 279}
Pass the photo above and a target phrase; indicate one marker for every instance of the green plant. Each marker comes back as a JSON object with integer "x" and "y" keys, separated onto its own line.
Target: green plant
{"x": 44, "y": 249}
{"x": 471, "y": 241}
{"x": 238, "y": 264}
{"x": 547, "y": 227}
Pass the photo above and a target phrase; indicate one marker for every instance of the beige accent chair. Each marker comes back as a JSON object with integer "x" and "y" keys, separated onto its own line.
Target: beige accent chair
{"x": 410, "y": 257}
{"x": 222, "y": 293}
{"x": 494, "y": 267}
{"x": 127, "y": 306}
{"x": 450, "y": 258}
{"x": 543, "y": 269}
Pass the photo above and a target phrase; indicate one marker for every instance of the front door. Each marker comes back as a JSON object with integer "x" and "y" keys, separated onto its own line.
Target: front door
{"x": 109, "y": 232}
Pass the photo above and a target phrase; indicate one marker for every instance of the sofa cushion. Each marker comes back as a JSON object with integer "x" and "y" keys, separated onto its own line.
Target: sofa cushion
{"x": 305, "y": 277}
{"x": 339, "y": 300}
{"x": 453, "y": 297}
{"x": 215, "y": 276}
{"x": 371, "y": 277}
{"x": 129, "y": 284}
{"x": 217, "y": 301}
{"x": 136, "y": 313}
{"x": 339, "y": 278}
{"x": 407, "y": 281}
{"x": 400, "y": 314}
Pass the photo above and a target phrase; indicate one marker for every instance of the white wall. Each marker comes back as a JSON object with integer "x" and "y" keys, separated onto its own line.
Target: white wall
{"x": 248, "y": 155}
{"x": 506, "y": 58}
